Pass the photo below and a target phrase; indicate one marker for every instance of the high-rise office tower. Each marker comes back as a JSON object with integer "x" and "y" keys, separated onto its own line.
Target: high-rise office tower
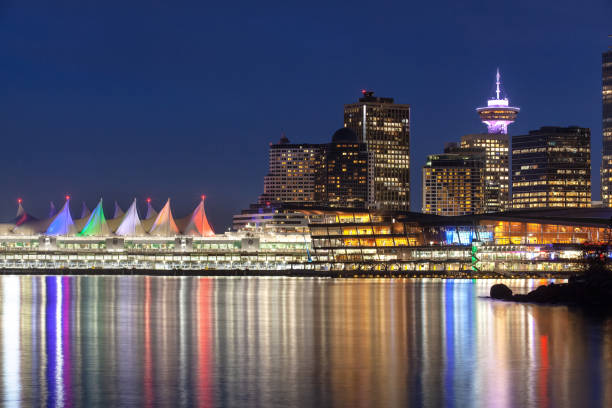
{"x": 453, "y": 182}
{"x": 342, "y": 178}
{"x": 498, "y": 113}
{"x": 551, "y": 167}
{"x": 606, "y": 96}
{"x": 385, "y": 128}
{"x": 496, "y": 172}
{"x": 291, "y": 175}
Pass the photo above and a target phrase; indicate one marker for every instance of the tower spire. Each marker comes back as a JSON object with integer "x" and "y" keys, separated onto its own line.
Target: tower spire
{"x": 498, "y": 113}
{"x": 497, "y": 83}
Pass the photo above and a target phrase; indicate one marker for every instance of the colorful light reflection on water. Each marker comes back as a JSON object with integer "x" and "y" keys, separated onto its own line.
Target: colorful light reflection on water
{"x": 144, "y": 341}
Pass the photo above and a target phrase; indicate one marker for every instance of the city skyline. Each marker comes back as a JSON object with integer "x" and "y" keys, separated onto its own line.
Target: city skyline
{"x": 91, "y": 116}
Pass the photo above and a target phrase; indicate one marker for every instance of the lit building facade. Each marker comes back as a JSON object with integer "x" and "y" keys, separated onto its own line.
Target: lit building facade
{"x": 541, "y": 243}
{"x": 158, "y": 242}
{"x": 317, "y": 240}
{"x": 498, "y": 113}
{"x": 292, "y": 171}
{"x": 606, "y": 96}
{"x": 496, "y": 171}
{"x": 453, "y": 182}
{"x": 385, "y": 128}
{"x": 551, "y": 167}
{"x": 342, "y": 178}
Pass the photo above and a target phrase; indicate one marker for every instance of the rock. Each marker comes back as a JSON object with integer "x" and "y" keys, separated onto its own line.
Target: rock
{"x": 501, "y": 291}
{"x": 592, "y": 290}
{"x": 542, "y": 294}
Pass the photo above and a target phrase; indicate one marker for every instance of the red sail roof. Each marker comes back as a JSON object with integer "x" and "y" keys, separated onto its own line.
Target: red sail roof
{"x": 196, "y": 223}
{"x": 22, "y": 216}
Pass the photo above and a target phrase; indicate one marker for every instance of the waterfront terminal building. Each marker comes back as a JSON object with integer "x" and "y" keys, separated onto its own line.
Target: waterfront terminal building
{"x": 316, "y": 240}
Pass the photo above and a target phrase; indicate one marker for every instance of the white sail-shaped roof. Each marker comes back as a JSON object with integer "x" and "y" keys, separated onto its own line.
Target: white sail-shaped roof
{"x": 150, "y": 217}
{"x": 196, "y": 223}
{"x": 30, "y": 226}
{"x": 20, "y": 210}
{"x": 52, "y": 209}
{"x": 62, "y": 223}
{"x": 33, "y": 227}
{"x": 96, "y": 225}
{"x": 164, "y": 225}
{"x": 151, "y": 213}
{"x": 85, "y": 212}
{"x": 22, "y": 216}
{"x": 6, "y": 228}
{"x": 80, "y": 222}
{"x": 118, "y": 211}
{"x": 130, "y": 223}
{"x": 114, "y": 222}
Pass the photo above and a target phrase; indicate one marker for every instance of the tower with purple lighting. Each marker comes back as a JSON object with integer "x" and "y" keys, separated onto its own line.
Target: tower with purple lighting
{"x": 498, "y": 113}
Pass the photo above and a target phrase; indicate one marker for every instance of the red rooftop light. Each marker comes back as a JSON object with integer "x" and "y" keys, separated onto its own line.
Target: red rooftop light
{"x": 67, "y": 197}
{"x": 363, "y": 91}
{"x": 203, "y": 196}
{"x": 148, "y": 199}
{"x": 19, "y": 200}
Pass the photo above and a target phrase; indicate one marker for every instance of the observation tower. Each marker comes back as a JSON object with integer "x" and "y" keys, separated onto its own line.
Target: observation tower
{"x": 497, "y": 115}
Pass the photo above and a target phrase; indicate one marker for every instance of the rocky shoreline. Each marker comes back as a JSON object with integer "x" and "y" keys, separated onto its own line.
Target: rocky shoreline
{"x": 593, "y": 289}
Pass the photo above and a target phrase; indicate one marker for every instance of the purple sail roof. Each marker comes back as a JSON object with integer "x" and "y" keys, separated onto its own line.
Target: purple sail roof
{"x": 62, "y": 223}
{"x": 118, "y": 211}
{"x": 85, "y": 212}
{"x": 52, "y": 209}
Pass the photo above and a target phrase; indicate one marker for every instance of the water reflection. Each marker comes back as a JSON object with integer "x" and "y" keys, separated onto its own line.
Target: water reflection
{"x": 143, "y": 341}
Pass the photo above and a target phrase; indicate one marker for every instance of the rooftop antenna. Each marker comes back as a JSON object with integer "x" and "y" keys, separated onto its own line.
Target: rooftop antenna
{"x": 497, "y": 82}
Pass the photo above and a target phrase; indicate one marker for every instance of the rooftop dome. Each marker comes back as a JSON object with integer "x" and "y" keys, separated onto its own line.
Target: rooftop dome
{"x": 344, "y": 135}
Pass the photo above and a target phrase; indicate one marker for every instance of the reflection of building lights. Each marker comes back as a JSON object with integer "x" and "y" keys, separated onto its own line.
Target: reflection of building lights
{"x": 10, "y": 337}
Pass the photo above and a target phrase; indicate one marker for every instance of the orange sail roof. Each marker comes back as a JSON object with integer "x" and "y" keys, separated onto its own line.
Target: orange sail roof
{"x": 164, "y": 225}
{"x": 196, "y": 223}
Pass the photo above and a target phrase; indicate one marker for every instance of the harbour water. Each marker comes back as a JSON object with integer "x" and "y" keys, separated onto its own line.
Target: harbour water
{"x": 281, "y": 342}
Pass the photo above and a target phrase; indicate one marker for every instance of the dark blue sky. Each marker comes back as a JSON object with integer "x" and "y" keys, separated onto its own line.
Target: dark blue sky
{"x": 128, "y": 99}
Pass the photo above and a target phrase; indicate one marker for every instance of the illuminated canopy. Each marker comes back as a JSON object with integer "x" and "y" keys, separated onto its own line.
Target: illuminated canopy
{"x": 151, "y": 213}
{"x": 196, "y": 223}
{"x": 130, "y": 223}
{"x": 114, "y": 222}
{"x": 118, "y": 211}
{"x": 22, "y": 216}
{"x": 160, "y": 224}
{"x": 96, "y": 225}
{"x": 80, "y": 223}
{"x": 62, "y": 223}
{"x": 150, "y": 217}
{"x": 164, "y": 224}
{"x": 85, "y": 212}
{"x": 52, "y": 209}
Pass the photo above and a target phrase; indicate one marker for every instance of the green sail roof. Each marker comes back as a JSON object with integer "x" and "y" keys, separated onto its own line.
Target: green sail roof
{"x": 96, "y": 225}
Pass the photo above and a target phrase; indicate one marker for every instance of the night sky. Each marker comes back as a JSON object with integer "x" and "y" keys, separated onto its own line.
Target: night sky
{"x": 127, "y": 99}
